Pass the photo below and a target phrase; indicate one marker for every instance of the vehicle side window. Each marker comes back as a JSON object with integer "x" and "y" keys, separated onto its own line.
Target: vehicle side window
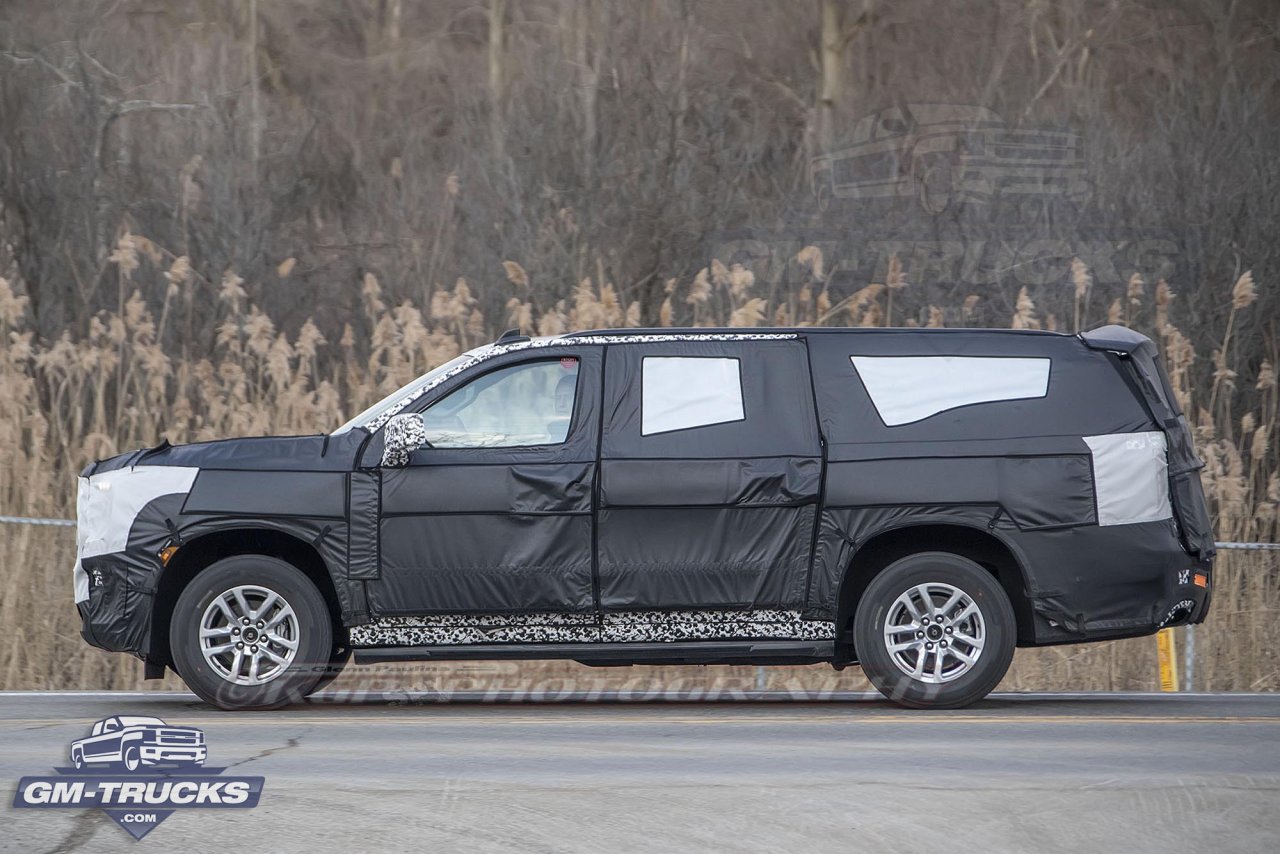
{"x": 678, "y": 393}
{"x": 906, "y": 389}
{"x": 110, "y": 726}
{"x": 518, "y": 406}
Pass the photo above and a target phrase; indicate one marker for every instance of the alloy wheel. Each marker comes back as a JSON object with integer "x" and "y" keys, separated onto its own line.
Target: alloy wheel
{"x": 934, "y": 632}
{"x": 249, "y": 635}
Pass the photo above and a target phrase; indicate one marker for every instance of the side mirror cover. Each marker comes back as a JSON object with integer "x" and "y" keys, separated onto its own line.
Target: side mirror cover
{"x": 403, "y": 434}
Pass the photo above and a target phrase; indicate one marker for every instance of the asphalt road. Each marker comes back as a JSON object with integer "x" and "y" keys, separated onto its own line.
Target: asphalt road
{"x": 1019, "y": 773}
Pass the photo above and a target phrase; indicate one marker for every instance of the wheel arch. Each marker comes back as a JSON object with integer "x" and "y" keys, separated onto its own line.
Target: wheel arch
{"x": 203, "y": 551}
{"x": 888, "y": 545}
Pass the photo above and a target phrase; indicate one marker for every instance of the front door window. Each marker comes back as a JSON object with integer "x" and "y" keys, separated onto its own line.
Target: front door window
{"x": 523, "y": 405}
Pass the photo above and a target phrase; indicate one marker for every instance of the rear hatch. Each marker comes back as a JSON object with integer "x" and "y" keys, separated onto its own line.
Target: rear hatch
{"x": 1137, "y": 360}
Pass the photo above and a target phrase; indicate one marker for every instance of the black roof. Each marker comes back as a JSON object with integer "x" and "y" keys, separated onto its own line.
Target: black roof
{"x": 806, "y": 330}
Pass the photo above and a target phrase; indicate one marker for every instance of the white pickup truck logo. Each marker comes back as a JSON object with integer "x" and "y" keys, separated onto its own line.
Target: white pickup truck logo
{"x": 139, "y": 771}
{"x": 131, "y": 741}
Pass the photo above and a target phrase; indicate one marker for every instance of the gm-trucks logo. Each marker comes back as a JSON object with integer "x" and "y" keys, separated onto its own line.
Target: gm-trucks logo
{"x": 138, "y": 770}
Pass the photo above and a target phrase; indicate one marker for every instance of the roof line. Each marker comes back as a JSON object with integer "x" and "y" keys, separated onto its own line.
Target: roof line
{"x": 801, "y": 330}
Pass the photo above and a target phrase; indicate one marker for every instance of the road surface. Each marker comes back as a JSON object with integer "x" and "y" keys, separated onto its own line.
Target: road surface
{"x": 1019, "y": 773}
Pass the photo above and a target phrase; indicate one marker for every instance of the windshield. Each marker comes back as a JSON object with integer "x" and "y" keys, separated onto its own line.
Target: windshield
{"x": 372, "y": 413}
{"x": 138, "y": 720}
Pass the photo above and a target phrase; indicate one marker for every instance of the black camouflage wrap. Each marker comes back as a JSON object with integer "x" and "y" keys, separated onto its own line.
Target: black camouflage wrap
{"x": 743, "y": 529}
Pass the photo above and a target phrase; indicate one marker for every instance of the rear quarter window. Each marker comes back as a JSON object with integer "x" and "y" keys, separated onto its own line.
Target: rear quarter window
{"x": 905, "y": 389}
{"x": 931, "y": 387}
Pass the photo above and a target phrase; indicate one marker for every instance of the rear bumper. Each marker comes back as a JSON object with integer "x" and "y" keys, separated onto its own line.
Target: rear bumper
{"x": 1106, "y": 582}
{"x": 1191, "y": 599}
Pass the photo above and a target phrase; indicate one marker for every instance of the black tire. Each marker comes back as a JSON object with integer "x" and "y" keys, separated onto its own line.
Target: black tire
{"x": 314, "y": 633}
{"x": 967, "y": 683}
{"x": 337, "y": 661}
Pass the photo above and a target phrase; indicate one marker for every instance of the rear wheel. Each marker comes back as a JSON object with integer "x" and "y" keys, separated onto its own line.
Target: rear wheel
{"x": 251, "y": 632}
{"x": 935, "y": 631}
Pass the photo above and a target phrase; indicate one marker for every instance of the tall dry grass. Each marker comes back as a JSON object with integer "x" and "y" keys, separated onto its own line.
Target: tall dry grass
{"x": 109, "y": 387}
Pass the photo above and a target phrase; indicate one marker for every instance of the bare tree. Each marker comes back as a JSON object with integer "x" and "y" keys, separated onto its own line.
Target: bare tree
{"x": 497, "y": 79}
{"x": 837, "y": 30}
{"x": 586, "y": 44}
{"x": 627, "y": 143}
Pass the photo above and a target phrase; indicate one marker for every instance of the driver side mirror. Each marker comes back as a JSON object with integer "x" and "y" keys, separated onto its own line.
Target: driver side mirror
{"x": 404, "y": 434}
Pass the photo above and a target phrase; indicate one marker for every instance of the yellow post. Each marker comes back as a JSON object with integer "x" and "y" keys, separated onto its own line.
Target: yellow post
{"x": 1168, "y": 655}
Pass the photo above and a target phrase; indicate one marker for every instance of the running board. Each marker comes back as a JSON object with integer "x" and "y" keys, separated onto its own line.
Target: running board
{"x": 776, "y": 652}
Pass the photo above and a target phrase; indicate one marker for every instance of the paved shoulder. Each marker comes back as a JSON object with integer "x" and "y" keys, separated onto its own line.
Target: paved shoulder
{"x": 1015, "y": 773}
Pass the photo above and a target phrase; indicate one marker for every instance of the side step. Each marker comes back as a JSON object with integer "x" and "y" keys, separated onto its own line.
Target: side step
{"x": 776, "y": 652}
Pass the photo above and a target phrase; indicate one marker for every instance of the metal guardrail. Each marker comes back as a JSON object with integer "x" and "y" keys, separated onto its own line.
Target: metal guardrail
{"x": 70, "y": 523}
{"x": 33, "y": 520}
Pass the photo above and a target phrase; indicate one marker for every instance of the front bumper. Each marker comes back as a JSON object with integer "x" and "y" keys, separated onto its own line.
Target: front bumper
{"x": 123, "y": 520}
{"x": 116, "y": 615}
{"x": 152, "y": 753}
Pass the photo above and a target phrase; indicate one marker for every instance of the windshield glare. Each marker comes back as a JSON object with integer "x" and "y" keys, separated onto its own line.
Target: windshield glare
{"x": 372, "y": 413}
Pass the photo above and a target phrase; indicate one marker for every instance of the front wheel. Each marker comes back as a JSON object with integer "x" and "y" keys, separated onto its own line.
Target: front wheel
{"x": 132, "y": 760}
{"x": 251, "y": 632}
{"x": 935, "y": 631}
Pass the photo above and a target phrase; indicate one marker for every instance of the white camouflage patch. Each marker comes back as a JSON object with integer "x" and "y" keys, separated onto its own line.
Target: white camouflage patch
{"x": 401, "y": 437}
{"x": 622, "y": 627}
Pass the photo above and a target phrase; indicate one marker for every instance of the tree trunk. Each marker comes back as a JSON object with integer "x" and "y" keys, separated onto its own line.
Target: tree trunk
{"x": 497, "y": 45}
{"x": 587, "y": 61}
{"x": 395, "y": 13}
{"x": 831, "y": 86}
{"x": 255, "y": 109}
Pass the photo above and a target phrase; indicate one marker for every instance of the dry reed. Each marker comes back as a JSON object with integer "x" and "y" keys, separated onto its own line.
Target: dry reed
{"x": 96, "y": 391}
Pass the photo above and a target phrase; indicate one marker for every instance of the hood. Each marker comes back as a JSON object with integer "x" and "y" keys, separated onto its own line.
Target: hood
{"x": 275, "y": 453}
